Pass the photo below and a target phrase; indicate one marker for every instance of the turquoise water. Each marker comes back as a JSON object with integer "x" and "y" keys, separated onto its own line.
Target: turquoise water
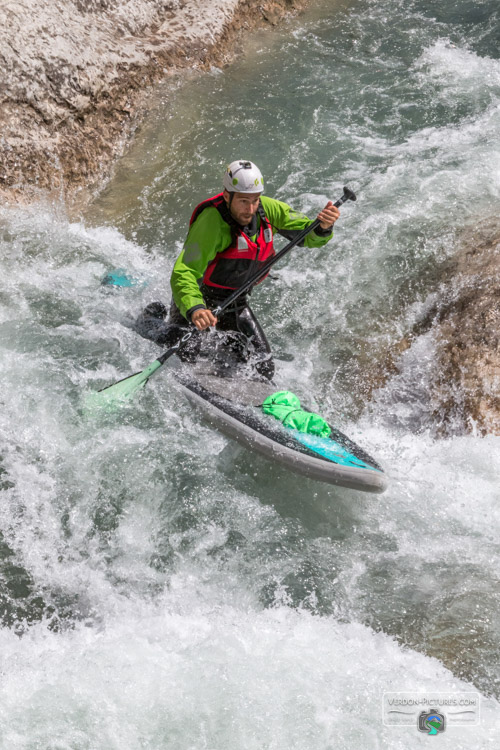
{"x": 161, "y": 587}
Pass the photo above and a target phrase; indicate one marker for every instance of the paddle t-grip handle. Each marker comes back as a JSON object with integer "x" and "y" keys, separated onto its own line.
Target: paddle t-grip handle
{"x": 348, "y": 196}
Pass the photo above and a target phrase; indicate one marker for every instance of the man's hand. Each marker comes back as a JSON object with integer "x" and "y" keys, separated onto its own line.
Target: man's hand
{"x": 203, "y": 319}
{"x": 328, "y": 216}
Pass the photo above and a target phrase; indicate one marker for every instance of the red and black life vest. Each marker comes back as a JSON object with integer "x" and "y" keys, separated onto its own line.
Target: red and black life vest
{"x": 233, "y": 266}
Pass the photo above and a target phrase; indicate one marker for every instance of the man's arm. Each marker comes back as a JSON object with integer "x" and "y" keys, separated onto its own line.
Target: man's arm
{"x": 289, "y": 222}
{"x": 207, "y": 236}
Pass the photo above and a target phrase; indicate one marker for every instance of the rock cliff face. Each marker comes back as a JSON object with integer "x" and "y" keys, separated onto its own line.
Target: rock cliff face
{"x": 463, "y": 317}
{"x": 466, "y": 380}
{"x": 73, "y": 72}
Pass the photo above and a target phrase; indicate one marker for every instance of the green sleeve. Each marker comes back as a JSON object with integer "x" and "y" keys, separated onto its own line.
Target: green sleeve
{"x": 282, "y": 216}
{"x": 207, "y": 236}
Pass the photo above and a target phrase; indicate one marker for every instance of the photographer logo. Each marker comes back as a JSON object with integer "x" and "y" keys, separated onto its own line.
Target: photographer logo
{"x": 431, "y": 722}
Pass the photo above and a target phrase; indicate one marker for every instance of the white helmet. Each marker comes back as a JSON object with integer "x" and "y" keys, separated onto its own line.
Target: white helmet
{"x": 243, "y": 177}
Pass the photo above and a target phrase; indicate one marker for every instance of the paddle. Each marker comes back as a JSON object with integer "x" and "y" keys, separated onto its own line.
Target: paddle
{"x": 124, "y": 389}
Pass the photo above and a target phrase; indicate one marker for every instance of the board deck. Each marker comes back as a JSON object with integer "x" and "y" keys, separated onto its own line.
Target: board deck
{"x": 233, "y": 406}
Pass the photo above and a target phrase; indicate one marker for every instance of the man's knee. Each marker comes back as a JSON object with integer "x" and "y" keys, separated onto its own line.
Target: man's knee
{"x": 151, "y": 325}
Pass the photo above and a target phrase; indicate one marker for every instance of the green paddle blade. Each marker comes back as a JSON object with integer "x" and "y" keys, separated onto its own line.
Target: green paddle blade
{"x": 119, "y": 393}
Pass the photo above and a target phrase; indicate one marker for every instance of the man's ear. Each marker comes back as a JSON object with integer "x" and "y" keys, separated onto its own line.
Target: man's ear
{"x": 225, "y": 194}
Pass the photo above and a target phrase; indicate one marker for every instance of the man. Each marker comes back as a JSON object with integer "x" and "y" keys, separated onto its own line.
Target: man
{"x": 230, "y": 237}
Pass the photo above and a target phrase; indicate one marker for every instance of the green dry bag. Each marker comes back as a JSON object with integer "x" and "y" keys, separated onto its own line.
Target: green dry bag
{"x": 285, "y": 406}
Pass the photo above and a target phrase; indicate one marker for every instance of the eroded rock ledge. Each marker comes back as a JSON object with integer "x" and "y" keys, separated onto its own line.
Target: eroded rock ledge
{"x": 467, "y": 327}
{"x": 463, "y": 316}
{"x": 74, "y": 71}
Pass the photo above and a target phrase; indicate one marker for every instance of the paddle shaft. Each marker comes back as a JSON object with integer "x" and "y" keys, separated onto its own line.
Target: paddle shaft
{"x": 263, "y": 271}
{"x": 258, "y": 275}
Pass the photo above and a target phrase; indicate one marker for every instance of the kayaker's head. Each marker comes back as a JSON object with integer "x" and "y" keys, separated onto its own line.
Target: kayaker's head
{"x": 243, "y": 185}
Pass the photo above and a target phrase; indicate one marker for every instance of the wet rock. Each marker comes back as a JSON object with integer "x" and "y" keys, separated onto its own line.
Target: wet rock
{"x": 74, "y": 75}
{"x": 463, "y": 315}
{"x": 467, "y": 329}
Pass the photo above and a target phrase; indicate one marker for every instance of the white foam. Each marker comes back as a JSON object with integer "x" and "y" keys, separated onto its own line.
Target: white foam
{"x": 216, "y": 677}
{"x": 458, "y": 71}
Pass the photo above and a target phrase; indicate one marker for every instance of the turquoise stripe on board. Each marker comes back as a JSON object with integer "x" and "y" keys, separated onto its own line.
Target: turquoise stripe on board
{"x": 330, "y": 449}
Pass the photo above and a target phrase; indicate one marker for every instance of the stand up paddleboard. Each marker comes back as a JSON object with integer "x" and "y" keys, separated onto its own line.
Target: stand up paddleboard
{"x": 233, "y": 406}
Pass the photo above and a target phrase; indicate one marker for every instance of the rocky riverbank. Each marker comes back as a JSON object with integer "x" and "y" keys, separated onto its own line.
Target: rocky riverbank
{"x": 74, "y": 74}
{"x": 462, "y": 315}
{"x": 465, "y": 382}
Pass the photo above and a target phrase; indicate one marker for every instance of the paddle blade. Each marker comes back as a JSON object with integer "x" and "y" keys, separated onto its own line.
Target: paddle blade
{"x": 117, "y": 394}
